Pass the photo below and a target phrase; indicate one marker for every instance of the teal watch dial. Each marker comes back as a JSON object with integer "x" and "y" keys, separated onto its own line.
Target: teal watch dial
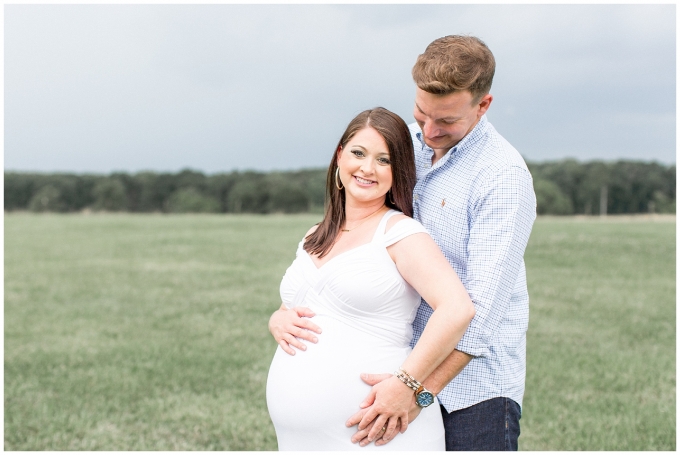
{"x": 424, "y": 398}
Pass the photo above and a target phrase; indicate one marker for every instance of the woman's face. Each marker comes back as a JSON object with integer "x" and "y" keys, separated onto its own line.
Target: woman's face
{"x": 365, "y": 169}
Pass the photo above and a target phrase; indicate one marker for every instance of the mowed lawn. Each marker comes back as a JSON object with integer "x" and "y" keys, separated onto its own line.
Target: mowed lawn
{"x": 149, "y": 332}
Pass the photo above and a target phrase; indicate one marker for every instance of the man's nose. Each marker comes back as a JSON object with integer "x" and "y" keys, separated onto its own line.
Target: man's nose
{"x": 429, "y": 130}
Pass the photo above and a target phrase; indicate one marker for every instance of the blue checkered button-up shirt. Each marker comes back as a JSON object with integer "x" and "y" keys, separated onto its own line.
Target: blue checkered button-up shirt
{"x": 478, "y": 204}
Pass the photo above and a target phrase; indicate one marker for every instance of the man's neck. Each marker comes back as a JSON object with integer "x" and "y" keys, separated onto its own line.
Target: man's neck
{"x": 438, "y": 155}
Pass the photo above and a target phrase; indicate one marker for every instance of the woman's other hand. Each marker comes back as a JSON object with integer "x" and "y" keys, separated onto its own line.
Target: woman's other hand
{"x": 387, "y": 406}
{"x": 361, "y": 436}
{"x": 290, "y": 326}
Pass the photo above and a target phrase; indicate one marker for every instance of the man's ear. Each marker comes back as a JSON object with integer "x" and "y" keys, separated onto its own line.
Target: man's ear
{"x": 484, "y": 104}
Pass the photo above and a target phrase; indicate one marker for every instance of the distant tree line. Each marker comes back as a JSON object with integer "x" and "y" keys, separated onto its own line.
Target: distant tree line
{"x": 562, "y": 188}
{"x": 568, "y": 187}
{"x": 186, "y": 191}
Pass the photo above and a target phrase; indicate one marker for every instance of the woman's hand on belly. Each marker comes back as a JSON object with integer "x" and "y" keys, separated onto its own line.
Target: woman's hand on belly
{"x": 387, "y": 405}
{"x": 288, "y": 326}
{"x": 361, "y": 436}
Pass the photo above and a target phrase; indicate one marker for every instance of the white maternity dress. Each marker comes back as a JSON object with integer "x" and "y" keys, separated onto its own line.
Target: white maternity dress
{"x": 365, "y": 310}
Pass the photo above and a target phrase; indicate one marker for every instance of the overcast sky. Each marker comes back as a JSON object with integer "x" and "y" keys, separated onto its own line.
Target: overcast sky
{"x": 101, "y": 88}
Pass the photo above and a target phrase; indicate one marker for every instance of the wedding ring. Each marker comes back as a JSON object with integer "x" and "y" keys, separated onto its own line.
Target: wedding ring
{"x": 384, "y": 428}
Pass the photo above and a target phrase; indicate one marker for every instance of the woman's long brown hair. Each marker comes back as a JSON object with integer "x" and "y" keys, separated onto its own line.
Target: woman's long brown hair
{"x": 402, "y": 161}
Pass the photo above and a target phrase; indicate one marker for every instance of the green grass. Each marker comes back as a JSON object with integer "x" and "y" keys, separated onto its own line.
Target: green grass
{"x": 601, "y": 340}
{"x": 149, "y": 332}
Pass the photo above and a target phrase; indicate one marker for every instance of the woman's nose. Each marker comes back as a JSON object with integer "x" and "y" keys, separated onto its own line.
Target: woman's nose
{"x": 368, "y": 166}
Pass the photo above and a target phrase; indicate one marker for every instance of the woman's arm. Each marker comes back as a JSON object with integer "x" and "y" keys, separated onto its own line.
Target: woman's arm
{"x": 424, "y": 267}
{"x": 289, "y": 325}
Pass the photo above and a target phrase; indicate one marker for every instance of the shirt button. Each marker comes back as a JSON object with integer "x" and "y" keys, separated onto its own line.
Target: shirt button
{"x": 415, "y": 198}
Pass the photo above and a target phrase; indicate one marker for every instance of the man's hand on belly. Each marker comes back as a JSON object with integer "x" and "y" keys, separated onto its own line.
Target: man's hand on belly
{"x": 287, "y": 325}
{"x": 373, "y": 429}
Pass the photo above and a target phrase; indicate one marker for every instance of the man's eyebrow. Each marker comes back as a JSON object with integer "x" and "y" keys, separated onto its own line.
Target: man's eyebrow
{"x": 443, "y": 118}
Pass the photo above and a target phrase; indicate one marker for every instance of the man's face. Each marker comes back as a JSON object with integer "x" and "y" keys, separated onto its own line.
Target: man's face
{"x": 446, "y": 119}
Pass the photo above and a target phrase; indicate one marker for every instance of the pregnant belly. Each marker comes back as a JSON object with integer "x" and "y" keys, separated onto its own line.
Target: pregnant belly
{"x": 317, "y": 390}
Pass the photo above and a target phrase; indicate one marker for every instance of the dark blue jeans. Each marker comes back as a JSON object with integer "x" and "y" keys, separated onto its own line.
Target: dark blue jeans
{"x": 490, "y": 425}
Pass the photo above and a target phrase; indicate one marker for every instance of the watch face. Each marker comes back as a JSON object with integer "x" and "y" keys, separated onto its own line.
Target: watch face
{"x": 424, "y": 399}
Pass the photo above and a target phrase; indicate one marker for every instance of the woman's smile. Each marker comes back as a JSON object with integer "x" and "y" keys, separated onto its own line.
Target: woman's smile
{"x": 364, "y": 182}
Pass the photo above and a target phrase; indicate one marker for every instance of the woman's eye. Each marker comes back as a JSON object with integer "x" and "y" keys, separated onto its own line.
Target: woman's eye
{"x": 358, "y": 152}
{"x": 384, "y": 161}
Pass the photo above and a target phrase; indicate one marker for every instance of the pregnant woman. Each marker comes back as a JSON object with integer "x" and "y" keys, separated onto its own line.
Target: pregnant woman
{"x": 361, "y": 272}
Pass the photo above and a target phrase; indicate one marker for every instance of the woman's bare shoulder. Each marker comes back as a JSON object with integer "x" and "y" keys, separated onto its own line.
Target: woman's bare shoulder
{"x": 311, "y": 230}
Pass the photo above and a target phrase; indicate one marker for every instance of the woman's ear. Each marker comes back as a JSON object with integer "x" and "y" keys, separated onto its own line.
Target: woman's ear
{"x": 337, "y": 155}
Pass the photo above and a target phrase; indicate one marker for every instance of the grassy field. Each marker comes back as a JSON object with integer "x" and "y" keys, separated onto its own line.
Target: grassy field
{"x": 601, "y": 340}
{"x": 149, "y": 332}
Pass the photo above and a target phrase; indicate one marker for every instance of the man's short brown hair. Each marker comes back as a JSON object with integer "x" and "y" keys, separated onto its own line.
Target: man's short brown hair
{"x": 455, "y": 63}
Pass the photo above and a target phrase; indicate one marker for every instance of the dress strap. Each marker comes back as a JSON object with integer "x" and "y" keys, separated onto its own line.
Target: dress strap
{"x": 402, "y": 229}
{"x": 380, "y": 232}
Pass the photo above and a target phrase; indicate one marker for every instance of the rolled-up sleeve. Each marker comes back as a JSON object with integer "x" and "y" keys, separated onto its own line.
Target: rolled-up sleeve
{"x": 501, "y": 216}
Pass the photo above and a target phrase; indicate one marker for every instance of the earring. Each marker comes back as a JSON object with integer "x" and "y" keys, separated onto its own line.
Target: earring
{"x": 391, "y": 198}
{"x": 337, "y": 173}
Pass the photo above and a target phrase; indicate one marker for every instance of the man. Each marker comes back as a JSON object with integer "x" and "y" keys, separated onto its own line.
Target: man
{"x": 474, "y": 195}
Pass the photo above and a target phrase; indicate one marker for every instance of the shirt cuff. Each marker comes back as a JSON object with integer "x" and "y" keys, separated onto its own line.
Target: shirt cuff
{"x": 473, "y": 347}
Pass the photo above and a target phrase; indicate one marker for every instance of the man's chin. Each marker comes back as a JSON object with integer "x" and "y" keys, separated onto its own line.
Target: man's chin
{"x": 438, "y": 145}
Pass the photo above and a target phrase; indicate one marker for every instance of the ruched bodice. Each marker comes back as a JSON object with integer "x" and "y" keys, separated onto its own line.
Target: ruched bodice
{"x": 361, "y": 287}
{"x": 365, "y": 309}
